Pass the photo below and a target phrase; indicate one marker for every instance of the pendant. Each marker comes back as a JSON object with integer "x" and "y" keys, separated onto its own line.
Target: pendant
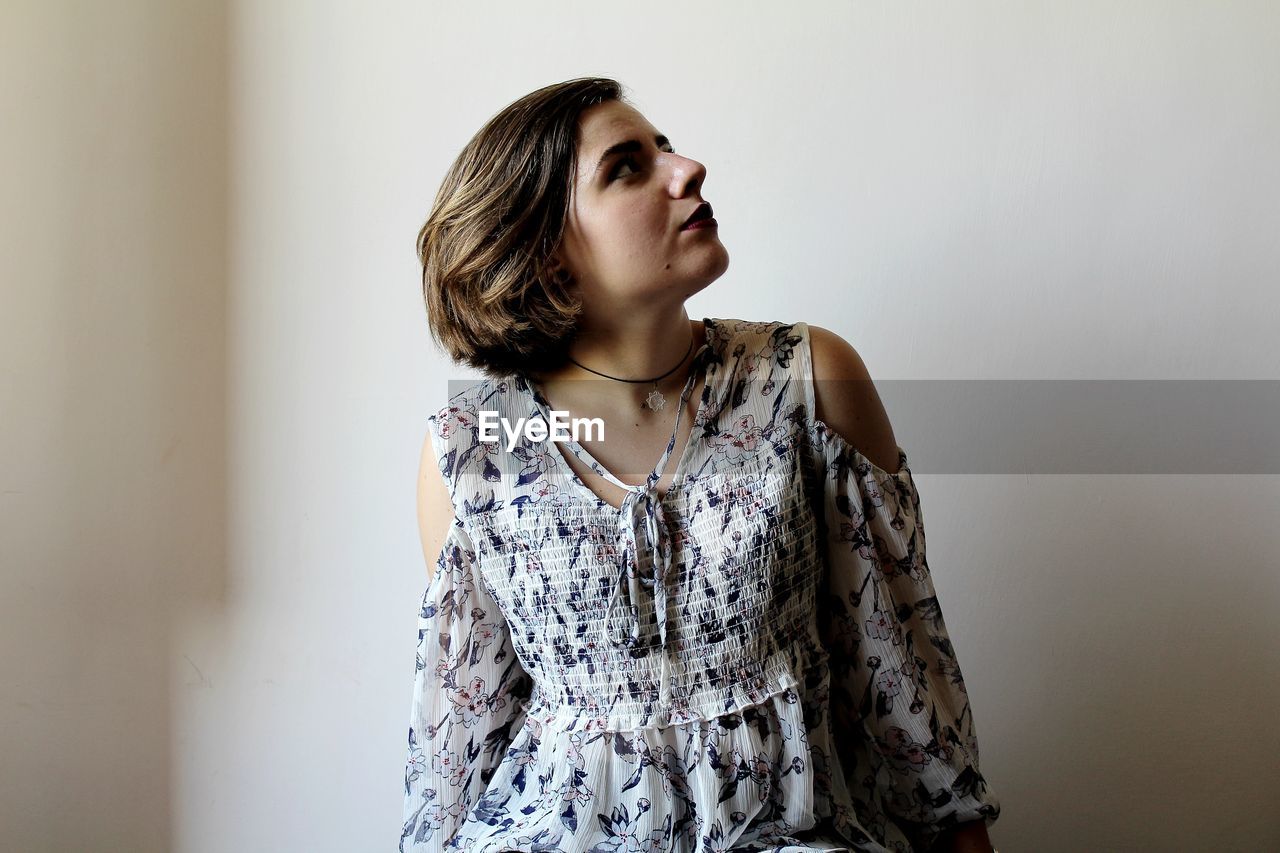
{"x": 655, "y": 401}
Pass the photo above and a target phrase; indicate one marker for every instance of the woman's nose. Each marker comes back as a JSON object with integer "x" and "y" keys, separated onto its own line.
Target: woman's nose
{"x": 686, "y": 174}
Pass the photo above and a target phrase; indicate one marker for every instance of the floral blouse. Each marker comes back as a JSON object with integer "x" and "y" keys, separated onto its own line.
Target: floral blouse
{"x": 753, "y": 660}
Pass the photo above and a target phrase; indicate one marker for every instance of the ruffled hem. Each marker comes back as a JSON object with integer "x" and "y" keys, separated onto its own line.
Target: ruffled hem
{"x": 743, "y": 777}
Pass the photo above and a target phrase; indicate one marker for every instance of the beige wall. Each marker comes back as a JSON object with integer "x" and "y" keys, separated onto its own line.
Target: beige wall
{"x": 215, "y": 375}
{"x": 113, "y": 344}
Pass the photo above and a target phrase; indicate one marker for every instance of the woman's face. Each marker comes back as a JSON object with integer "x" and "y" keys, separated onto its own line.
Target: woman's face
{"x": 623, "y": 241}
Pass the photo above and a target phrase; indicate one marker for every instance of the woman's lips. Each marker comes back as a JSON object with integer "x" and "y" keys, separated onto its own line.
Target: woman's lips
{"x": 701, "y": 223}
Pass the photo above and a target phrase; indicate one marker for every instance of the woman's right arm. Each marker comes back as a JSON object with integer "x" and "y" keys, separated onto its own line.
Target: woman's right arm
{"x": 435, "y": 508}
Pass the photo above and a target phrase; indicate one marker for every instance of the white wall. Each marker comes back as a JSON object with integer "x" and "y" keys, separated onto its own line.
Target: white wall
{"x": 216, "y": 374}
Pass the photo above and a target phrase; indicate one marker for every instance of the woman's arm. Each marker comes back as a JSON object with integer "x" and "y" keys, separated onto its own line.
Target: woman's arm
{"x": 846, "y": 400}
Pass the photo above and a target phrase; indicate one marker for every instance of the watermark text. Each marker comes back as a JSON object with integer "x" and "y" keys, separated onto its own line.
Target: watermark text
{"x": 560, "y": 428}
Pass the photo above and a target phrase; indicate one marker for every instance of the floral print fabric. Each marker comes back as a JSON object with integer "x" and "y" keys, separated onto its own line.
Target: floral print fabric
{"x": 754, "y": 660}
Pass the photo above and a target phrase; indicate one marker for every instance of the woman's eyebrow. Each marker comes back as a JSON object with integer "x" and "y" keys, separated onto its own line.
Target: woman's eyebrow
{"x": 627, "y": 147}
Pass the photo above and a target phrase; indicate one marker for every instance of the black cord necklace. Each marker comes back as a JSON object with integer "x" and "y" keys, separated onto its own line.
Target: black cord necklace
{"x": 654, "y": 401}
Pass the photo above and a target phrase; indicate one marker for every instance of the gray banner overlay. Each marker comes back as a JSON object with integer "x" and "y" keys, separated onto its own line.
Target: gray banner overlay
{"x": 1039, "y": 426}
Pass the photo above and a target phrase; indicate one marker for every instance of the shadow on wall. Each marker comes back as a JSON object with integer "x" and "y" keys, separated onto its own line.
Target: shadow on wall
{"x": 114, "y": 517}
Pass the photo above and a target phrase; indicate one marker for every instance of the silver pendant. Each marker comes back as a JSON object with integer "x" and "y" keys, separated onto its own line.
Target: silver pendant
{"x": 655, "y": 401}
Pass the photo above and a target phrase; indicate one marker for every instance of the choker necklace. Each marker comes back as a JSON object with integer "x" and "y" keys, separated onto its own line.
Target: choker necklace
{"x": 655, "y": 401}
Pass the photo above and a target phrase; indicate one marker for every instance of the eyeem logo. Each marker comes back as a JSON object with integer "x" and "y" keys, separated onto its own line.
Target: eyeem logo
{"x": 536, "y": 429}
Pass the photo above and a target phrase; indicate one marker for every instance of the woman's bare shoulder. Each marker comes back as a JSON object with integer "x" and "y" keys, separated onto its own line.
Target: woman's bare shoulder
{"x": 846, "y": 400}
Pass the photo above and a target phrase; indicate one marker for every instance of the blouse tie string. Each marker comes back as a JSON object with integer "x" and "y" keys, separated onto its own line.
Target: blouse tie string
{"x": 645, "y": 557}
{"x": 644, "y": 561}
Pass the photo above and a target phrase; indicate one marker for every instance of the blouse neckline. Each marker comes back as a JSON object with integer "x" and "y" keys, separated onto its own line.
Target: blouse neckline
{"x": 699, "y": 367}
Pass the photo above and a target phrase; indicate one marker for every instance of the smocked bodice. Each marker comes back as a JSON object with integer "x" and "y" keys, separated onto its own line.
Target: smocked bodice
{"x": 675, "y": 606}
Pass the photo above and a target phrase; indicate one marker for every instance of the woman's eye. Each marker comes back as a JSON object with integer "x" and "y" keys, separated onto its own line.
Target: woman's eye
{"x": 631, "y": 161}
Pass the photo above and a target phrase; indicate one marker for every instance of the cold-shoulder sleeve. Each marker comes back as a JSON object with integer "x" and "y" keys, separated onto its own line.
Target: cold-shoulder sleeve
{"x": 895, "y": 677}
{"x": 469, "y": 698}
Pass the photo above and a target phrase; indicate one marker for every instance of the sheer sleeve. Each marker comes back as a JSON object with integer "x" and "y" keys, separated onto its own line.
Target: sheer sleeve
{"x": 895, "y": 677}
{"x": 470, "y": 694}
{"x": 469, "y": 699}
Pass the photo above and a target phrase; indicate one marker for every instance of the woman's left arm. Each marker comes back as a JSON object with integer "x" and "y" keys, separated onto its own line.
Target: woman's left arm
{"x": 893, "y": 666}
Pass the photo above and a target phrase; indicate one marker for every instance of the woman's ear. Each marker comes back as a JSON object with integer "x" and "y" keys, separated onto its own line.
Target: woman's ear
{"x": 558, "y": 272}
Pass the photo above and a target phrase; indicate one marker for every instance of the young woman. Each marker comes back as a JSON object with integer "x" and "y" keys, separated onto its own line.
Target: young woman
{"x": 737, "y": 647}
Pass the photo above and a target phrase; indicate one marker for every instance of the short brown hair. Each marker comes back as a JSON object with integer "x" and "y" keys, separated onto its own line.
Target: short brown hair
{"x": 492, "y": 302}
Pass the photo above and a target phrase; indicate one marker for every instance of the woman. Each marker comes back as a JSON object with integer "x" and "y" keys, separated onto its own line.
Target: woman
{"x": 717, "y": 651}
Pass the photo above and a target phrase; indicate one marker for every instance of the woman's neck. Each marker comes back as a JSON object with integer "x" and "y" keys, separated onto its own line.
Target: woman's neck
{"x": 636, "y": 351}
